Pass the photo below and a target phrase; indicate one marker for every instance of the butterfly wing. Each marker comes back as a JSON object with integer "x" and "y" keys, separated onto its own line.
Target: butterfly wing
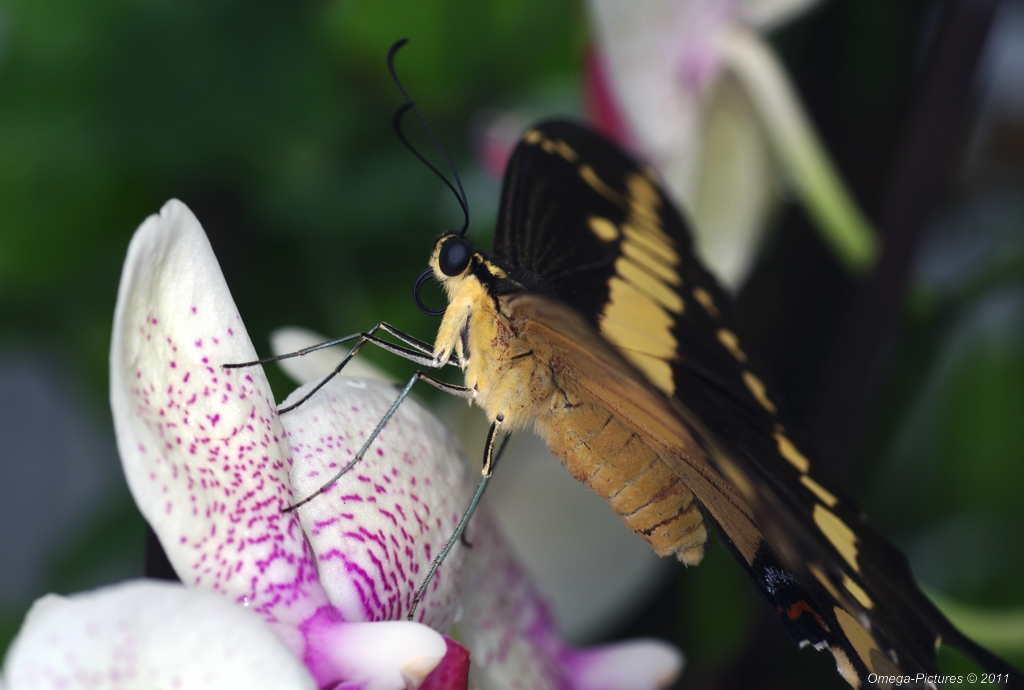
{"x": 583, "y": 223}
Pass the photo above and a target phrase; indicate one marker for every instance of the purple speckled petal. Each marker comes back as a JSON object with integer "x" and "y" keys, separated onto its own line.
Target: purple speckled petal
{"x": 148, "y": 634}
{"x": 202, "y": 447}
{"x": 506, "y": 626}
{"x": 515, "y": 644}
{"x": 375, "y": 531}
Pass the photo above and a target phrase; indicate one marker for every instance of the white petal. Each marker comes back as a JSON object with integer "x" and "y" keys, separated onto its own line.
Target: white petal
{"x": 765, "y": 15}
{"x": 202, "y": 447}
{"x": 633, "y": 665}
{"x": 375, "y": 531}
{"x": 316, "y": 365}
{"x": 798, "y": 148}
{"x": 392, "y": 655}
{"x": 146, "y": 634}
{"x": 736, "y": 185}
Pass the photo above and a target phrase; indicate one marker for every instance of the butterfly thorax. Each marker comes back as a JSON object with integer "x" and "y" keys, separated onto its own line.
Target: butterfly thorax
{"x": 496, "y": 363}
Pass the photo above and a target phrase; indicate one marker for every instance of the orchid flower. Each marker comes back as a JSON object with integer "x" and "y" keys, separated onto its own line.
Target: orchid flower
{"x": 692, "y": 87}
{"x": 309, "y": 598}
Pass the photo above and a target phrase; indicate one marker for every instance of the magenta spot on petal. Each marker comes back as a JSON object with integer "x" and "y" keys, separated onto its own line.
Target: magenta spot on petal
{"x": 174, "y": 365}
{"x": 193, "y": 310}
{"x": 199, "y": 343}
{"x": 331, "y": 555}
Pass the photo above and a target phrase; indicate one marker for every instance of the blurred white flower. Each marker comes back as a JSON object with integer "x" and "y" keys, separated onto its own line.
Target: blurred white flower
{"x": 692, "y": 87}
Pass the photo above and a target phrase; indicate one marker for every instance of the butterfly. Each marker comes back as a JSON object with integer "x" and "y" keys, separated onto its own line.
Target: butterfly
{"x": 593, "y": 323}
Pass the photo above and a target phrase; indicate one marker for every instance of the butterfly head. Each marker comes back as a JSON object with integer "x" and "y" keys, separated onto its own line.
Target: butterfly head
{"x": 454, "y": 260}
{"x": 451, "y": 257}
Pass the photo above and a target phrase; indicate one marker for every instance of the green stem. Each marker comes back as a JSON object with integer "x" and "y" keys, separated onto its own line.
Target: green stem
{"x": 802, "y": 155}
{"x": 1001, "y": 631}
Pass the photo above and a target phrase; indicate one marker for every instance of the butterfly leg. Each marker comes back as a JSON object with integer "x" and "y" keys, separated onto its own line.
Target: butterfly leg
{"x": 490, "y": 462}
{"x": 420, "y": 346}
{"x": 450, "y": 388}
{"x": 419, "y": 352}
{"x": 487, "y": 474}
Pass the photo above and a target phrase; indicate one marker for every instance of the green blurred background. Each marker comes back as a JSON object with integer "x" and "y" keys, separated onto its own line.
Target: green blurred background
{"x": 271, "y": 120}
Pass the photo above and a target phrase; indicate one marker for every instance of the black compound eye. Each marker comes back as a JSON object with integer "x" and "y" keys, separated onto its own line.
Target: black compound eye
{"x": 454, "y": 256}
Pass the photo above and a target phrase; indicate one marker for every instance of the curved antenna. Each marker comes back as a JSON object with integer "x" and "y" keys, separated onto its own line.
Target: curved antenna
{"x": 424, "y": 277}
{"x": 396, "y": 123}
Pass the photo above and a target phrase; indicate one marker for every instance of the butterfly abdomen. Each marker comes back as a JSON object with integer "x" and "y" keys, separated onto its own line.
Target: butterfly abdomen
{"x": 620, "y": 467}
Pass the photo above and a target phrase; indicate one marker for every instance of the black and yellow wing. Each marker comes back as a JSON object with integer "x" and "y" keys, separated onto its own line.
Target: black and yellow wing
{"x": 584, "y": 227}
